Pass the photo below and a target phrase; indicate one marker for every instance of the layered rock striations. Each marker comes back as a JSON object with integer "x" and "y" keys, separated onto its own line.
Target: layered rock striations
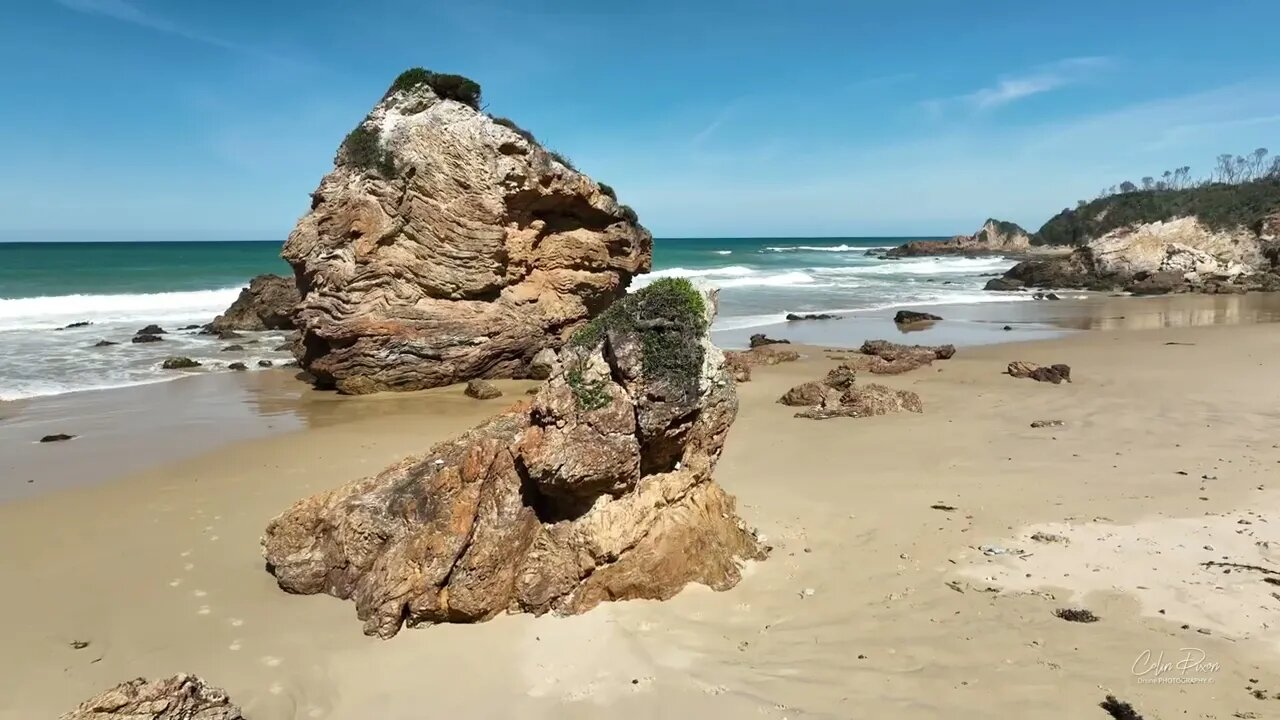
{"x": 267, "y": 304}
{"x": 599, "y": 489}
{"x": 181, "y": 697}
{"x": 446, "y": 245}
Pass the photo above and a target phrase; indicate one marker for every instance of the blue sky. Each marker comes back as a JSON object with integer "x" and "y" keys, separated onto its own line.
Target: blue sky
{"x": 168, "y": 119}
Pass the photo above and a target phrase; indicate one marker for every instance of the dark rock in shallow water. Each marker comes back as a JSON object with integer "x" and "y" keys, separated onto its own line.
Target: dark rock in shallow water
{"x": 482, "y": 390}
{"x": 1008, "y": 327}
{"x": 82, "y": 323}
{"x": 229, "y": 335}
{"x": 812, "y": 316}
{"x": 233, "y": 348}
{"x": 905, "y": 317}
{"x": 191, "y": 327}
{"x": 151, "y": 330}
{"x": 105, "y": 343}
{"x": 146, "y": 338}
{"x": 237, "y": 366}
{"x": 58, "y": 437}
{"x": 265, "y": 363}
{"x": 1003, "y": 284}
{"x": 1160, "y": 283}
{"x": 179, "y": 363}
{"x": 267, "y": 304}
{"x": 759, "y": 340}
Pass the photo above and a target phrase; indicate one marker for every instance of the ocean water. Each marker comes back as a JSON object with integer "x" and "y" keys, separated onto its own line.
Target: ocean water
{"x": 121, "y": 287}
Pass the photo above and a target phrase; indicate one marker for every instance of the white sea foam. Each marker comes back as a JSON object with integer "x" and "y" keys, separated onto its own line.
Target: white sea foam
{"x": 734, "y": 276}
{"x": 59, "y": 310}
{"x": 820, "y": 248}
{"x": 926, "y": 266}
{"x": 724, "y": 252}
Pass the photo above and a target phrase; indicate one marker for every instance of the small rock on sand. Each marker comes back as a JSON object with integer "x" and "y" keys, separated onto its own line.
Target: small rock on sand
{"x": 57, "y": 437}
{"x": 482, "y": 390}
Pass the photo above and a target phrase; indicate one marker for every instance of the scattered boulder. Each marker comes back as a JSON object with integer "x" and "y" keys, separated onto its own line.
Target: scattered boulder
{"x": 178, "y": 363}
{"x": 226, "y": 334}
{"x": 265, "y": 363}
{"x": 544, "y": 364}
{"x": 1046, "y": 423}
{"x": 866, "y": 401}
{"x": 446, "y": 246}
{"x": 267, "y": 304}
{"x": 1052, "y": 373}
{"x": 233, "y": 348}
{"x": 482, "y": 390}
{"x": 57, "y": 437}
{"x": 812, "y": 316}
{"x": 759, "y": 355}
{"x": 907, "y": 317}
{"x": 760, "y": 340}
{"x": 237, "y": 366}
{"x": 841, "y": 377}
{"x": 599, "y": 489}
{"x": 181, "y": 697}
{"x": 146, "y": 338}
{"x": 80, "y": 324}
{"x": 191, "y": 327}
{"x": 894, "y": 359}
{"x": 1159, "y": 283}
{"x": 151, "y": 330}
{"x": 806, "y": 394}
{"x": 1045, "y": 296}
{"x": 738, "y": 366}
{"x": 105, "y": 343}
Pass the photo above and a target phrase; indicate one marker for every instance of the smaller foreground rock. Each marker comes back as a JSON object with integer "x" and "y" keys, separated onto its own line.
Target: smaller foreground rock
{"x": 57, "y": 437}
{"x": 865, "y": 401}
{"x": 146, "y": 338}
{"x": 807, "y": 394}
{"x": 151, "y": 330}
{"x": 181, "y": 697}
{"x": 812, "y": 316}
{"x": 760, "y": 340}
{"x": 179, "y": 363}
{"x": 1052, "y": 373}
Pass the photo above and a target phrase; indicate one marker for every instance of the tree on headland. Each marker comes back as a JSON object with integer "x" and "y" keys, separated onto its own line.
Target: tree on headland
{"x": 1128, "y": 187}
{"x": 1229, "y": 170}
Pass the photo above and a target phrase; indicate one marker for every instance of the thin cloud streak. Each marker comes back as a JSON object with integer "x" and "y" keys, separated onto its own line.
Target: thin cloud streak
{"x": 1042, "y": 79}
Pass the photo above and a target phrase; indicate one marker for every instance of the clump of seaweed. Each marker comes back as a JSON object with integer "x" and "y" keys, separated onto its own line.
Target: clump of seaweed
{"x": 1076, "y": 615}
{"x": 1119, "y": 709}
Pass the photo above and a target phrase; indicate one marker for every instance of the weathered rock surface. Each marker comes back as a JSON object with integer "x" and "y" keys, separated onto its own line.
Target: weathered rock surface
{"x": 886, "y": 358}
{"x": 739, "y": 363}
{"x": 598, "y": 489}
{"x": 811, "y": 316}
{"x": 181, "y": 697}
{"x": 1179, "y": 255}
{"x": 445, "y": 246}
{"x": 995, "y": 237}
{"x": 841, "y": 377}
{"x": 544, "y": 364}
{"x": 806, "y": 394}
{"x": 907, "y": 317}
{"x": 761, "y": 340}
{"x": 267, "y": 304}
{"x": 237, "y": 366}
{"x": 151, "y": 330}
{"x": 146, "y": 338}
{"x": 865, "y": 401}
{"x": 1043, "y": 373}
{"x": 105, "y": 343}
{"x": 482, "y": 390}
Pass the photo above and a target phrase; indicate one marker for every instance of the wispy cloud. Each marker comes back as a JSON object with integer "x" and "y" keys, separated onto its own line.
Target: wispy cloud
{"x": 127, "y": 12}
{"x": 1012, "y": 88}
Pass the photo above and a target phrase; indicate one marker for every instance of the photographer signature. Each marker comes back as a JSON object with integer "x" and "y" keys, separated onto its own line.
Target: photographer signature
{"x": 1188, "y": 661}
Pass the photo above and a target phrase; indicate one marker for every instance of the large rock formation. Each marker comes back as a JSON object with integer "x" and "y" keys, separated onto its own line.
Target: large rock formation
{"x": 267, "y": 304}
{"x": 1177, "y": 255}
{"x": 446, "y": 245}
{"x": 995, "y": 237}
{"x": 600, "y": 489}
{"x": 181, "y": 697}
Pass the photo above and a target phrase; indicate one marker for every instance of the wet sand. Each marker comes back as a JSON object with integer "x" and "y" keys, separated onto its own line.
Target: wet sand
{"x": 873, "y": 603}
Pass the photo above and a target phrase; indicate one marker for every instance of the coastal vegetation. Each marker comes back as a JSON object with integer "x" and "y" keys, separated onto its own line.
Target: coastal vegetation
{"x": 1240, "y": 192}
{"x": 670, "y": 318}
{"x": 363, "y": 148}
{"x": 450, "y": 87}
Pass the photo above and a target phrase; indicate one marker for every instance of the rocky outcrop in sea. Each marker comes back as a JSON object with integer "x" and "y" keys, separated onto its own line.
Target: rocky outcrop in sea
{"x": 995, "y": 237}
{"x": 598, "y": 489}
{"x": 267, "y": 304}
{"x": 448, "y": 245}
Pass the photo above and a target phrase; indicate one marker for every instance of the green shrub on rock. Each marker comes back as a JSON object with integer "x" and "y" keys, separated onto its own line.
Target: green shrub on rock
{"x": 449, "y": 87}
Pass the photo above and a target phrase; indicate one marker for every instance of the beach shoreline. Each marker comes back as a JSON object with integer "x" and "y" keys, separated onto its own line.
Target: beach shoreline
{"x": 852, "y": 605}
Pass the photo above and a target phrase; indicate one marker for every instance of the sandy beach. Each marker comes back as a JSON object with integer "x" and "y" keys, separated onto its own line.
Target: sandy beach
{"x": 904, "y": 580}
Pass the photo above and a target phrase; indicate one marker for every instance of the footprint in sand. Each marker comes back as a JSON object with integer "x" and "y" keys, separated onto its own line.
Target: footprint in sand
{"x": 204, "y": 610}
{"x": 275, "y": 688}
{"x": 175, "y": 582}
{"x": 213, "y": 538}
{"x": 235, "y": 645}
{"x": 185, "y": 553}
{"x": 200, "y": 593}
{"x": 235, "y": 622}
{"x": 189, "y": 567}
{"x": 270, "y": 660}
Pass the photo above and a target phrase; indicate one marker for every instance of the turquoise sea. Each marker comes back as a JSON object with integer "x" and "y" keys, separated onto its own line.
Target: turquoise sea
{"x": 120, "y": 287}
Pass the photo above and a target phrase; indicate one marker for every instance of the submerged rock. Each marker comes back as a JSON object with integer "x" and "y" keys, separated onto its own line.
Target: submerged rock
{"x": 181, "y": 697}
{"x": 146, "y": 338}
{"x": 812, "y": 316}
{"x": 446, "y": 246}
{"x": 105, "y": 343}
{"x": 907, "y": 317}
{"x": 265, "y": 363}
{"x": 267, "y": 304}
{"x": 80, "y": 324}
{"x": 237, "y": 366}
{"x": 151, "y": 330}
{"x": 598, "y": 489}
{"x": 482, "y": 390}
{"x": 179, "y": 363}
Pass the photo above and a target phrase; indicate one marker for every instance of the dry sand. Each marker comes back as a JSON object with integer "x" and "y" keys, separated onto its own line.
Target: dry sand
{"x": 873, "y": 604}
